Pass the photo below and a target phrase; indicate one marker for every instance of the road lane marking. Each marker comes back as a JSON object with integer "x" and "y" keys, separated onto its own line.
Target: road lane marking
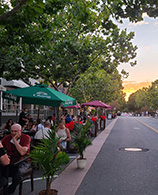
{"x": 156, "y": 130}
{"x": 34, "y": 179}
{"x": 136, "y": 128}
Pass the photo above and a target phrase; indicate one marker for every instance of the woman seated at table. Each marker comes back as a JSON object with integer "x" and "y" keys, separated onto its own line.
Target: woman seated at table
{"x": 30, "y": 126}
{"x": 8, "y": 125}
{"x": 4, "y": 160}
{"x": 64, "y": 135}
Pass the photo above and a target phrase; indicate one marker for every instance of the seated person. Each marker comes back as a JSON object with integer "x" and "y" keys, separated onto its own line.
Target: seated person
{"x": 63, "y": 118}
{"x": 38, "y": 126}
{"x": 73, "y": 118}
{"x": 29, "y": 117}
{"x": 43, "y": 133}
{"x": 53, "y": 118}
{"x": 17, "y": 144}
{"x": 64, "y": 135}
{"x": 68, "y": 119}
{"x": 49, "y": 119}
{"x": 79, "y": 119}
{"x": 8, "y": 125}
{"x": 4, "y": 160}
{"x": 30, "y": 125}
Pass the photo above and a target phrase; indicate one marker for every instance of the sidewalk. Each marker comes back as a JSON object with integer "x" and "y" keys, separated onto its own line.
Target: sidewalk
{"x": 70, "y": 179}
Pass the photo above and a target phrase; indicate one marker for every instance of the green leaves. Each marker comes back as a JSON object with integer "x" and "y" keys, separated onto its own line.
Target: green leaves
{"x": 47, "y": 156}
{"x": 102, "y": 83}
{"x": 152, "y": 96}
{"x": 145, "y": 99}
{"x": 81, "y": 140}
{"x": 55, "y": 39}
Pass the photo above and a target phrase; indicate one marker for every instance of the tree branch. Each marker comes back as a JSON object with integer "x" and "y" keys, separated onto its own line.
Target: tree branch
{"x": 42, "y": 76}
{"x": 13, "y": 11}
{"x": 72, "y": 82}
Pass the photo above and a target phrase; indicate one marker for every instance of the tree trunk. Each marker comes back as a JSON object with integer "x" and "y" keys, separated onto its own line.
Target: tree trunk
{"x": 81, "y": 155}
{"x": 48, "y": 183}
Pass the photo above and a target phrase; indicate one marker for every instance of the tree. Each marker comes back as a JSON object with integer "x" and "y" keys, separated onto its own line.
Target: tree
{"x": 58, "y": 40}
{"x": 119, "y": 103}
{"x": 138, "y": 101}
{"x": 12, "y": 11}
{"x": 141, "y": 98}
{"x": 119, "y": 9}
{"x": 97, "y": 84}
{"x": 131, "y": 104}
{"x": 152, "y": 96}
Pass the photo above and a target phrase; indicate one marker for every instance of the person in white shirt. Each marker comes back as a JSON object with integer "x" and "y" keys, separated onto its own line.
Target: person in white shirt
{"x": 38, "y": 126}
{"x": 43, "y": 132}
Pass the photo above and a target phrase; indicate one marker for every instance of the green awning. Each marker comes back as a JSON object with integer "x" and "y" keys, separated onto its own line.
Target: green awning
{"x": 40, "y": 95}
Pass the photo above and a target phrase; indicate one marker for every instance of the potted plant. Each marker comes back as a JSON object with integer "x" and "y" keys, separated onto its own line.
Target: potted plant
{"x": 48, "y": 157}
{"x": 81, "y": 141}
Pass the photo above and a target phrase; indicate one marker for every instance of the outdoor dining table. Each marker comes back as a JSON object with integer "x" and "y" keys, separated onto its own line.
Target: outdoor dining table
{"x": 3, "y": 133}
{"x": 15, "y": 160}
{"x": 28, "y": 132}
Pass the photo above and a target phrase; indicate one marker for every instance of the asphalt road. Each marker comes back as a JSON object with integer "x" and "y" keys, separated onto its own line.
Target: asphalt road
{"x": 119, "y": 172}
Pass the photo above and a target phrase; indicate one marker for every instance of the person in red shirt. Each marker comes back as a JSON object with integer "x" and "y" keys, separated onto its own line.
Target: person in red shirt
{"x": 17, "y": 144}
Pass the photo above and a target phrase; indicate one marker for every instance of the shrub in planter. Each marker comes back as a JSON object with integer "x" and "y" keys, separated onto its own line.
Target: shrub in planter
{"x": 81, "y": 140}
{"x": 49, "y": 158}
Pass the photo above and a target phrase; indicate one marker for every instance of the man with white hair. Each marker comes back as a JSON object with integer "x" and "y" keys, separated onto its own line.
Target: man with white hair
{"x": 17, "y": 144}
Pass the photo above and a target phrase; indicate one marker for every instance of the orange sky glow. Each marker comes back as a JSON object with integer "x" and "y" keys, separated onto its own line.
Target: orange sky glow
{"x": 132, "y": 86}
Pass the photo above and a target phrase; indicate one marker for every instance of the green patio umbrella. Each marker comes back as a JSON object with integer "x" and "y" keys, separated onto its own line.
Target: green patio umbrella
{"x": 39, "y": 94}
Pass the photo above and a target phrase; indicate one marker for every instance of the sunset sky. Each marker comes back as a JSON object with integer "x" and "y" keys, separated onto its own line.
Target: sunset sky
{"x": 146, "y": 70}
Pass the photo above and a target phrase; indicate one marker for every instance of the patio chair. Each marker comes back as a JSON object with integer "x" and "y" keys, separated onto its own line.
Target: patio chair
{"x": 27, "y": 175}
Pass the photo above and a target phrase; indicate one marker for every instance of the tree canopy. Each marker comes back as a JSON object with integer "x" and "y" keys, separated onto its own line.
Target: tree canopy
{"x": 58, "y": 40}
{"x": 146, "y": 98}
{"x": 96, "y": 84}
{"x": 152, "y": 96}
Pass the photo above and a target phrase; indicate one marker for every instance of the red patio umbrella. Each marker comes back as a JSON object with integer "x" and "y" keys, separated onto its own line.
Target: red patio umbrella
{"x": 74, "y": 106}
{"x": 96, "y": 103}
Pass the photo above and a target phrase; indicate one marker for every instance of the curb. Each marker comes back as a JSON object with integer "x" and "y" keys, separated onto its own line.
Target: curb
{"x": 70, "y": 179}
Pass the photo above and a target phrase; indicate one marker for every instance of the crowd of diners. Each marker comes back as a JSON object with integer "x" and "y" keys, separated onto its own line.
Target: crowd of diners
{"x": 17, "y": 141}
